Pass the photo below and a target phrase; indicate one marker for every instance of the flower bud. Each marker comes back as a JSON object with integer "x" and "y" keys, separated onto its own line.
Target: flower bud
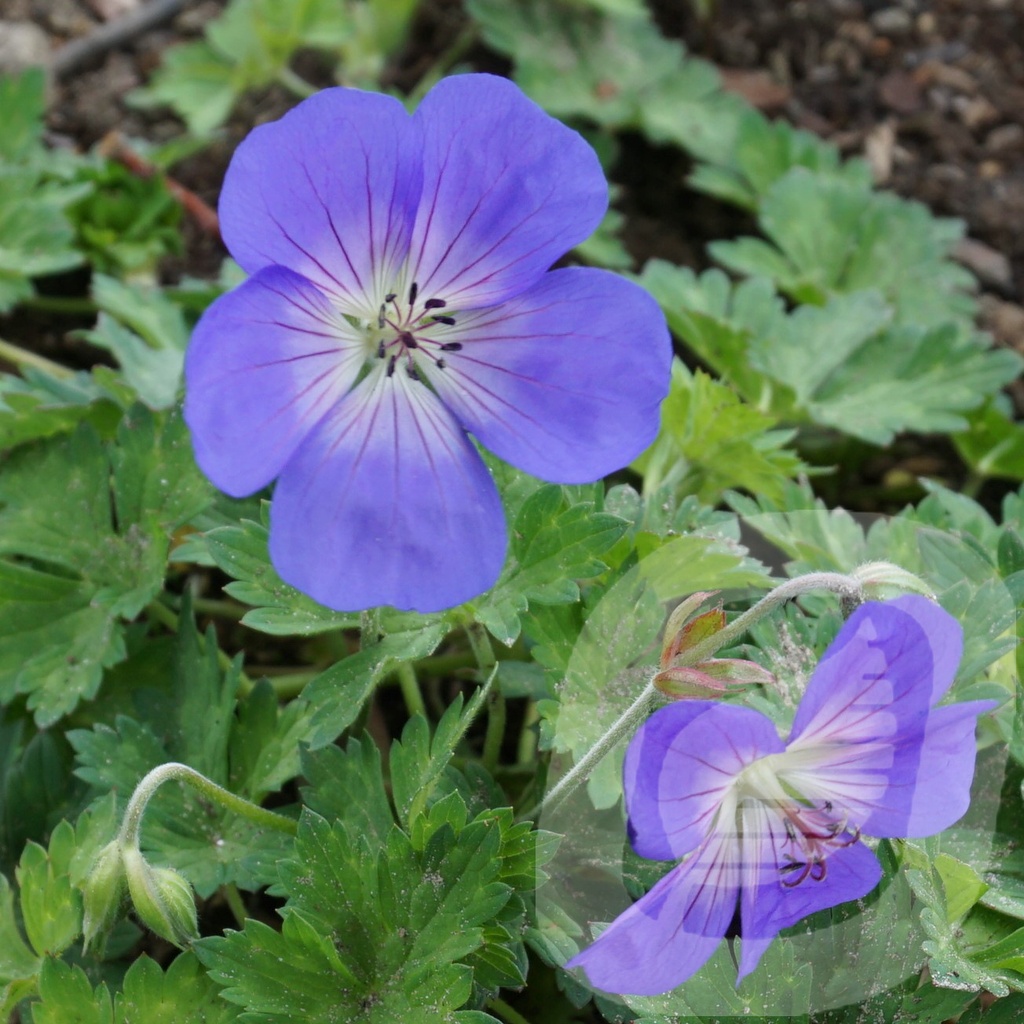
{"x": 163, "y": 899}
{"x": 883, "y": 581}
{"x": 103, "y": 893}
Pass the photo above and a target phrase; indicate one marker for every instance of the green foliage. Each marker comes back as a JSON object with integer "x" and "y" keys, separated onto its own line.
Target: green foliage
{"x": 843, "y": 364}
{"x": 383, "y": 923}
{"x": 830, "y": 236}
{"x": 613, "y": 69}
{"x": 147, "y": 334}
{"x": 763, "y": 152}
{"x": 84, "y": 534}
{"x": 251, "y": 46}
{"x": 711, "y": 440}
{"x": 197, "y": 718}
{"x": 125, "y": 223}
{"x": 555, "y": 541}
{"x": 35, "y": 233}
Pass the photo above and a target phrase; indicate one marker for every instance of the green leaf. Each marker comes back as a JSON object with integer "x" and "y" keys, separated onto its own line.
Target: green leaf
{"x": 371, "y": 932}
{"x": 839, "y": 365}
{"x": 278, "y": 609}
{"x": 23, "y": 102}
{"x": 68, "y": 998}
{"x": 347, "y": 786}
{"x": 834, "y": 236}
{"x": 615, "y": 70}
{"x": 685, "y": 565}
{"x": 50, "y": 906}
{"x": 37, "y": 405}
{"x": 75, "y": 574}
{"x": 963, "y": 887}
{"x": 248, "y": 46}
{"x": 184, "y": 995}
{"x": 764, "y": 151}
{"x": 337, "y": 694}
{"x": 35, "y": 234}
{"x": 146, "y": 332}
{"x": 17, "y": 962}
{"x": 992, "y": 443}
{"x": 711, "y": 440}
{"x": 554, "y": 543}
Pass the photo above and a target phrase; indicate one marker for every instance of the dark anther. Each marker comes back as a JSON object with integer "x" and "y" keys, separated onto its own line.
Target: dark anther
{"x": 390, "y": 297}
{"x": 411, "y": 370}
{"x": 408, "y": 340}
{"x": 380, "y": 349}
{"x": 391, "y": 365}
{"x": 827, "y": 806}
{"x": 434, "y": 304}
{"x": 449, "y": 320}
{"x": 413, "y": 292}
{"x": 790, "y": 831}
{"x": 380, "y": 317}
{"x": 451, "y": 346}
{"x": 440, "y": 364}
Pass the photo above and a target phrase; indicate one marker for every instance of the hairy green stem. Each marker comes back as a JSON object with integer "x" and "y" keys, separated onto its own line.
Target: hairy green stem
{"x": 849, "y": 589}
{"x": 128, "y": 836}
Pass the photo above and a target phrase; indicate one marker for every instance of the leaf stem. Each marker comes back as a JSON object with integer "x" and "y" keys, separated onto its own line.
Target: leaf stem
{"x": 295, "y": 84}
{"x": 506, "y": 1012}
{"x": 410, "y": 690}
{"x": 22, "y": 358}
{"x": 233, "y": 898}
{"x": 849, "y": 588}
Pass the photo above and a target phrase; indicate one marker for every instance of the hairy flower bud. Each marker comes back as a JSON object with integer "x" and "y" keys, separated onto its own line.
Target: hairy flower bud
{"x": 162, "y": 898}
{"x": 103, "y": 893}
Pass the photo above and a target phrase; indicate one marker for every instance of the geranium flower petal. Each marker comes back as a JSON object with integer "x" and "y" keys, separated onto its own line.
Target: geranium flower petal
{"x": 507, "y": 190}
{"x": 679, "y": 766}
{"x": 266, "y": 362}
{"x": 890, "y": 663}
{"x": 928, "y": 787}
{"x": 767, "y": 905}
{"x": 330, "y": 190}
{"x": 387, "y": 502}
{"x": 565, "y": 380}
{"x": 668, "y": 934}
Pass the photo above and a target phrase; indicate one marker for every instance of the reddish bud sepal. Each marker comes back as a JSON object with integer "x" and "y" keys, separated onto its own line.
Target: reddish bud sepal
{"x": 712, "y": 677}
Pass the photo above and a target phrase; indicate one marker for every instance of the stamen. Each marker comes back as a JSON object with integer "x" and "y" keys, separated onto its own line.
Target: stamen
{"x": 380, "y": 317}
{"x": 390, "y": 297}
{"x": 451, "y": 346}
{"x": 434, "y": 304}
{"x": 411, "y": 371}
{"x": 449, "y": 320}
{"x": 413, "y": 292}
{"x": 391, "y": 365}
{"x": 408, "y": 340}
{"x": 440, "y": 364}
{"x": 380, "y": 349}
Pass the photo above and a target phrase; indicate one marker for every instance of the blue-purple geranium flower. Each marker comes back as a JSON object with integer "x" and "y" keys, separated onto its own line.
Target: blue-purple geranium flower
{"x": 400, "y": 301}
{"x": 772, "y": 830}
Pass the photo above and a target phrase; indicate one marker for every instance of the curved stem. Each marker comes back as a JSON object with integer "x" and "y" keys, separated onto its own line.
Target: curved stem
{"x": 849, "y": 589}
{"x": 128, "y": 836}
